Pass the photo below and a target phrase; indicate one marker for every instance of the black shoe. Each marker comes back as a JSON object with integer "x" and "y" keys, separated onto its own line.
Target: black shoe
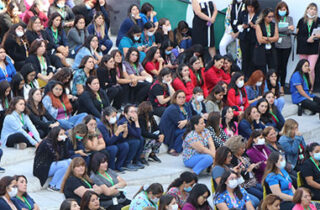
{"x": 153, "y": 157}
{"x": 2, "y": 170}
{"x": 144, "y": 161}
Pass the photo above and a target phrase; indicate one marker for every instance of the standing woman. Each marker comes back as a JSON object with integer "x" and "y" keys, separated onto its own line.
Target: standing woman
{"x": 17, "y": 126}
{"x": 267, "y": 35}
{"x": 284, "y": 44}
{"x": 183, "y": 82}
{"x": 308, "y": 43}
{"x": 205, "y": 13}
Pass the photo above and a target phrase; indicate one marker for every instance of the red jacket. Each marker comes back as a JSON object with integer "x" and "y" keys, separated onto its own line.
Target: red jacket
{"x": 195, "y": 83}
{"x": 152, "y": 66}
{"x": 42, "y": 16}
{"x": 214, "y": 75}
{"x": 235, "y": 100}
{"x": 187, "y": 88}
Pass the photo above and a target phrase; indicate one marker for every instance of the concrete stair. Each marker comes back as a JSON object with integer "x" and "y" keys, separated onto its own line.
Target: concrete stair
{"x": 21, "y": 162}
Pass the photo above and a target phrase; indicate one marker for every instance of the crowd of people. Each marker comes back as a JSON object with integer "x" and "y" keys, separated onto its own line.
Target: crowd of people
{"x": 94, "y": 109}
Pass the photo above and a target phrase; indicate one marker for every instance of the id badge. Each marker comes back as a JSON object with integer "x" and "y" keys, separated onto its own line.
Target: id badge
{"x": 235, "y": 22}
{"x": 280, "y": 40}
{"x": 248, "y": 29}
{"x": 268, "y": 46}
{"x": 115, "y": 201}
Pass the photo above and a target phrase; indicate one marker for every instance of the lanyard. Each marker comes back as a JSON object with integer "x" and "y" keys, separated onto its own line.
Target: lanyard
{"x": 315, "y": 164}
{"x": 268, "y": 28}
{"x": 136, "y": 69}
{"x": 99, "y": 99}
{"x": 284, "y": 19}
{"x": 238, "y": 9}
{"x": 25, "y": 47}
{"x": 153, "y": 204}
{"x": 309, "y": 27}
{"x": 198, "y": 77}
{"x": 108, "y": 178}
{"x": 31, "y": 85}
{"x": 62, "y": 12}
{"x": 184, "y": 112}
{"x": 4, "y": 71}
{"x": 22, "y": 119}
{"x": 241, "y": 97}
{"x": 65, "y": 110}
{"x": 233, "y": 201}
{"x": 87, "y": 183}
{"x": 55, "y": 35}
{"x": 305, "y": 80}
{"x": 274, "y": 116}
{"x": 6, "y": 103}
{"x": 25, "y": 201}
{"x": 42, "y": 64}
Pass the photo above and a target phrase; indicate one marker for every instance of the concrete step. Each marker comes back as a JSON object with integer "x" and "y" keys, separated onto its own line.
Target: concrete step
{"x": 12, "y": 156}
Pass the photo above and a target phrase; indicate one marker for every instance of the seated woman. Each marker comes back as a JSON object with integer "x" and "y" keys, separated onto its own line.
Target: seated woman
{"x": 272, "y": 84}
{"x": 147, "y": 196}
{"x": 214, "y": 101}
{"x": 23, "y": 200}
{"x": 90, "y": 200}
{"x": 164, "y": 32}
{"x": 255, "y": 87}
{"x": 140, "y": 78}
{"x": 198, "y": 198}
{"x": 8, "y": 184}
{"x": 277, "y": 180}
{"x": 18, "y": 130}
{"x": 77, "y": 35}
{"x": 85, "y": 70}
{"x": 93, "y": 99}
{"x": 7, "y": 68}
{"x": 167, "y": 202}
{"x": 276, "y": 115}
{"x": 230, "y": 195}
{"x": 39, "y": 116}
{"x": 147, "y": 36}
{"x": 52, "y": 159}
{"x": 150, "y": 132}
{"x": 174, "y": 121}
{"x": 168, "y": 53}
{"x": 64, "y": 75}
{"x": 40, "y": 61}
{"x": 183, "y": 82}
{"x": 148, "y": 14}
{"x": 76, "y": 181}
{"x": 58, "y": 35}
{"x": 100, "y": 28}
{"x": 182, "y": 35}
{"x": 5, "y": 98}
{"x": 300, "y": 88}
{"x": 182, "y": 186}
{"x": 69, "y": 203}
{"x": 111, "y": 184}
{"x": 214, "y": 72}
{"x": 220, "y": 165}
{"x": 153, "y": 62}
{"x": 246, "y": 175}
{"x": 89, "y": 48}
{"x": 196, "y": 103}
{"x": 251, "y": 120}
{"x": 216, "y": 132}
{"x": 198, "y": 147}
{"x": 302, "y": 199}
{"x": 161, "y": 92}
{"x": 15, "y": 44}
{"x": 9, "y": 16}
{"x": 76, "y": 147}
{"x": 29, "y": 75}
{"x": 197, "y": 74}
{"x": 310, "y": 172}
{"x": 62, "y": 7}
{"x": 265, "y": 116}
{"x": 237, "y": 96}
{"x": 270, "y": 135}
{"x": 228, "y": 122}
{"x": 229, "y": 65}
{"x": 59, "y": 107}
{"x": 36, "y": 11}
{"x": 258, "y": 152}
{"x": 17, "y": 85}
{"x": 112, "y": 136}
{"x": 271, "y": 202}
{"x": 293, "y": 144}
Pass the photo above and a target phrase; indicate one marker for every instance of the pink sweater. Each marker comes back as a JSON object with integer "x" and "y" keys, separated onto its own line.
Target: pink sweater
{"x": 299, "y": 207}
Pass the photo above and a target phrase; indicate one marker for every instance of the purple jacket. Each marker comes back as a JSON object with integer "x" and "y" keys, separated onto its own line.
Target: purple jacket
{"x": 189, "y": 206}
{"x": 256, "y": 155}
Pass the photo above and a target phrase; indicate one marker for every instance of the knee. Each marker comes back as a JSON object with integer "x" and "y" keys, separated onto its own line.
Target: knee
{"x": 209, "y": 159}
{"x": 112, "y": 150}
{"x": 124, "y": 147}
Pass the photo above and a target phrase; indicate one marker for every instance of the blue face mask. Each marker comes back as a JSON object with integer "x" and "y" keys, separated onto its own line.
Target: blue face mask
{"x": 168, "y": 52}
{"x": 136, "y": 38}
{"x": 317, "y": 156}
{"x": 187, "y": 189}
{"x": 282, "y": 13}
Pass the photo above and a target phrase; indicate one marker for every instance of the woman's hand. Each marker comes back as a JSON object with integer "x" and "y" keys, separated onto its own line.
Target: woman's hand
{"x": 311, "y": 39}
{"x": 182, "y": 123}
{"x": 160, "y": 138}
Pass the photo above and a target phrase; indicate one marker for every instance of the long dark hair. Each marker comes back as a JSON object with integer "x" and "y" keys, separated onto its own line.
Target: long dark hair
{"x": 12, "y": 34}
{"x": 145, "y": 111}
{"x": 87, "y": 88}
{"x": 40, "y": 111}
{"x": 214, "y": 121}
{"x": 311, "y": 147}
{"x": 190, "y": 126}
{"x": 76, "y": 20}
{"x": 186, "y": 177}
{"x": 131, "y": 50}
{"x": 154, "y": 188}
{"x": 149, "y": 55}
{"x": 107, "y": 112}
{"x": 211, "y": 97}
{"x": 62, "y": 74}
{"x": 113, "y": 53}
{"x": 299, "y": 69}
{"x": 13, "y": 103}
{"x": 233, "y": 85}
{"x": 52, "y": 17}
{"x": 164, "y": 201}
{"x": 266, "y": 117}
{"x": 85, "y": 200}
{"x": 222, "y": 187}
{"x": 52, "y": 137}
{"x": 269, "y": 85}
{"x": 4, "y": 85}
{"x": 221, "y": 156}
{"x": 271, "y": 164}
{"x": 4, "y": 183}
{"x": 15, "y": 83}
{"x": 231, "y": 124}
{"x": 211, "y": 63}
{"x": 134, "y": 30}
{"x": 87, "y": 42}
{"x": 197, "y": 191}
{"x": 163, "y": 72}
{"x": 198, "y": 73}
{"x": 178, "y": 73}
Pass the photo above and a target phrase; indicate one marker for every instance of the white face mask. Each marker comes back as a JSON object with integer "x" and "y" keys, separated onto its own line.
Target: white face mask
{"x": 113, "y": 120}
{"x": 60, "y": 5}
{"x": 233, "y": 183}
{"x": 149, "y": 33}
{"x": 258, "y": 84}
{"x": 19, "y": 33}
{"x": 174, "y": 207}
{"x": 240, "y": 180}
{"x": 240, "y": 84}
{"x": 282, "y": 164}
{"x": 62, "y": 137}
{"x": 310, "y": 16}
{"x": 155, "y": 200}
{"x": 167, "y": 82}
{"x": 261, "y": 141}
{"x": 199, "y": 98}
{"x": 169, "y": 28}
{"x": 13, "y": 192}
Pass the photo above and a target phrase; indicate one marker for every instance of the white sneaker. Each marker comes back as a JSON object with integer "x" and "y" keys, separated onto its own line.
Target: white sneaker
{"x": 20, "y": 146}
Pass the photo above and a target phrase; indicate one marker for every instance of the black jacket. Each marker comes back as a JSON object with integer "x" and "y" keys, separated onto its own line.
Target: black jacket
{"x": 31, "y": 36}
{"x": 36, "y": 64}
{"x": 39, "y": 121}
{"x": 88, "y": 103}
{"x": 106, "y": 78}
{"x": 14, "y": 50}
{"x": 145, "y": 133}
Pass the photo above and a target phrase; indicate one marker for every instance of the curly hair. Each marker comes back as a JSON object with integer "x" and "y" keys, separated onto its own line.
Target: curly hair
{"x": 235, "y": 143}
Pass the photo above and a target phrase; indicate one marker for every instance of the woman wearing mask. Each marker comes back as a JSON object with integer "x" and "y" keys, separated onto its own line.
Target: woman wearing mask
{"x": 132, "y": 39}
{"x": 308, "y": 43}
{"x": 52, "y": 159}
{"x": 228, "y": 122}
{"x": 230, "y": 195}
{"x": 197, "y": 74}
{"x": 216, "y": 132}
{"x": 237, "y": 96}
{"x": 161, "y": 92}
{"x": 168, "y": 202}
{"x": 251, "y": 121}
{"x": 76, "y": 147}
{"x": 197, "y": 105}
{"x": 183, "y": 82}
{"x": 284, "y": 43}
{"x": 310, "y": 172}
{"x": 181, "y": 187}
{"x": 277, "y": 180}
{"x": 255, "y": 87}
{"x": 147, "y": 37}
{"x": 214, "y": 101}
{"x": 112, "y": 135}
{"x": 258, "y": 152}
{"x": 147, "y": 196}
{"x": 198, "y": 147}
{"x": 64, "y": 10}
{"x": 8, "y": 189}
{"x": 164, "y": 31}
{"x": 198, "y": 198}
{"x": 23, "y": 200}
{"x": 302, "y": 199}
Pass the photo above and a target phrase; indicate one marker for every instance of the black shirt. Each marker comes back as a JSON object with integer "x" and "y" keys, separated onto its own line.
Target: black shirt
{"x": 303, "y": 47}
{"x": 157, "y": 90}
{"x": 309, "y": 169}
{"x": 72, "y": 184}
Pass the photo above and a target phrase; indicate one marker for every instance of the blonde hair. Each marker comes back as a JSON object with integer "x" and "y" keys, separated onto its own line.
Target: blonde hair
{"x": 305, "y": 17}
{"x": 288, "y": 128}
{"x": 234, "y": 143}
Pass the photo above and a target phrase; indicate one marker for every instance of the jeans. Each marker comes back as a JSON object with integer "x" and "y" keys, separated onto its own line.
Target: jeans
{"x": 279, "y": 102}
{"x": 257, "y": 191}
{"x": 185, "y": 44}
{"x": 57, "y": 170}
{"x": 72, "y": 121}
{"x": 108, "y": 44}
{"x": 254, "y": 200}
{"x": 313, "y": 106}
{"x": 123, "y": 151}
{"x": 134, "y": 146}
{"x": 199, "y": 162}
{"x": 225, "y": 41}
{"x": 177, "y": 145}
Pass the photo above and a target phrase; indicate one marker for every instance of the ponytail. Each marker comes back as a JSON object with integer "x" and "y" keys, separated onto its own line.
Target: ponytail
{"x": 186, "y": 177}
{"x": 155, "y": 188}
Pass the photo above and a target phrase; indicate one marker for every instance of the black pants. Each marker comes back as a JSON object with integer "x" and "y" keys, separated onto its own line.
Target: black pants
{"x": 119, "y": 95}
{"x": 16, "y": 139}
{"x": 158, "y": 110}
{"x": 313, "y": 106}
{"x": 140, "y": 92}
{"x": 285, "y": 205}
{"x": 283, "y": 57}
{"x": 120, "y": 205}
{"x": 271, "y": 61}
{"x": 247, "y": 54}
